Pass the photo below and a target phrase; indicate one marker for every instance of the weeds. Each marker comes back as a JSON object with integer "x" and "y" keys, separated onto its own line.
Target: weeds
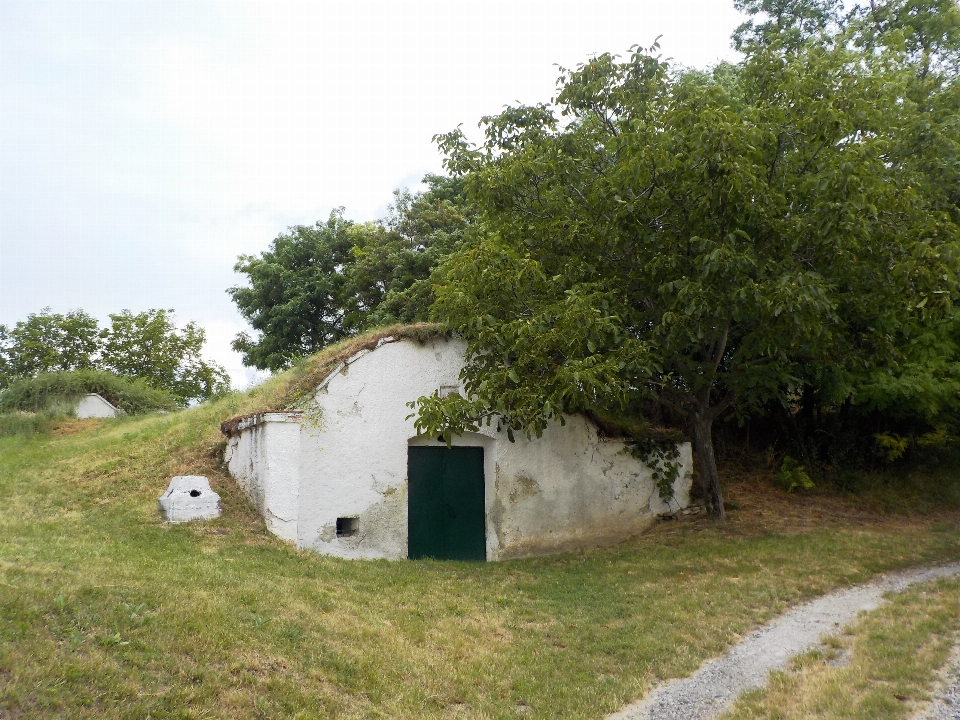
{"x": 29, "y": 423}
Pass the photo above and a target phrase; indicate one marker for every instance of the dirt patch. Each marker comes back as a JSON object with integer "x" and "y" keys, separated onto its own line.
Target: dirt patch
{"x": 72, "y": 426}
{"x": 760, "y": 508}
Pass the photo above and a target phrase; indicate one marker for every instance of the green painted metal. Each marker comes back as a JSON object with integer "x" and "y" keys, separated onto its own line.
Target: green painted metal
{"x": 445, "y": 518}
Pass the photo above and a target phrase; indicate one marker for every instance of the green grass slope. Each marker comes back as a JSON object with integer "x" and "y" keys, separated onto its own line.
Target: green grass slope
{"x": 106, "y": 612}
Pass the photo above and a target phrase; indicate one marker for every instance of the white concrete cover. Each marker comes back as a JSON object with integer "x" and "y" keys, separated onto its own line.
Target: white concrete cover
{"x": 568, "y": 489}
{"x": 189, "y": 497}
{"x": 94, "y": 406}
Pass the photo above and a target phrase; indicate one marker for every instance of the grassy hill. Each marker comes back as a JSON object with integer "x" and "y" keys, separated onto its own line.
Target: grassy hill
{"x": 107, "y": 612}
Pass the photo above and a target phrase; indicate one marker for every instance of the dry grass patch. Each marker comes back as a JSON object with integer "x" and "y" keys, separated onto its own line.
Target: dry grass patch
{"x": 763, "y": 508}
{"x": 69, "y": 426}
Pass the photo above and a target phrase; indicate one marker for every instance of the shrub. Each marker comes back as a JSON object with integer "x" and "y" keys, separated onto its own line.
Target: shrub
{"x": 63, "y": 389}
{"x": 793, "y": 475}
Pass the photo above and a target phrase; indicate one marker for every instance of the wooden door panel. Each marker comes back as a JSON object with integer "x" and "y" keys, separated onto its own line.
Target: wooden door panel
{"x": 446, "y": 515}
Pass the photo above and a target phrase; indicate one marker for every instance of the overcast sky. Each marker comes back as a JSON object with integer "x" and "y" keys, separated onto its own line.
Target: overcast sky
{"x": 145, "y": 145}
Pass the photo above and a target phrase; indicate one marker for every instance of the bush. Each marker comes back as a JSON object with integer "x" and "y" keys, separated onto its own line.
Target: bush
{"x": 62, "y": 390}
{"x": 793, "y": 476}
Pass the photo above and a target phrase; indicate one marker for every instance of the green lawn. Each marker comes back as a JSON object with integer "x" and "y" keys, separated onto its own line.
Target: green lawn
{"x": 107, "y": 612}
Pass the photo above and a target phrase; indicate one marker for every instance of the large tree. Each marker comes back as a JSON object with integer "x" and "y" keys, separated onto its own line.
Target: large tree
{"x": 146, "y": 345}
{"x": 149, "y": 346}
{"x": 318, "y": 284}
{"x": 295, "y": 295}
{"x": 48, "y": 342}
{"x": 698, "y": 239}
{"x": 389, "y": 279}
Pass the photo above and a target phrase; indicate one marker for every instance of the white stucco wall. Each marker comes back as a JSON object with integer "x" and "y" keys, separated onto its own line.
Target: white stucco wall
{"x": 94, "y": 406}
{"x": 571, "y": 489}
{"x": 264, "y": 457}
{"x": 355, "y": 463}
{"x": 565, "y": 490}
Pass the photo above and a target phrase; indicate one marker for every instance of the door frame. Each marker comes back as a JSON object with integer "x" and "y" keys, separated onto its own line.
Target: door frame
{"x": 489, "y": 445}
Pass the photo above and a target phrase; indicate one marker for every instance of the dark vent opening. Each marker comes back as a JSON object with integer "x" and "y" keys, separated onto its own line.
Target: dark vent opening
{"x": 347, "y": 526}
{"x": 194, "y": 493}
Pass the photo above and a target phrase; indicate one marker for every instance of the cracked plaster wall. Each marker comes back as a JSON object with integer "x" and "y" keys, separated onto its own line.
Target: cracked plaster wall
{"x": 265, "y": 460}
{"x": 355, "y": 463}
{"x": 568, "y": 489}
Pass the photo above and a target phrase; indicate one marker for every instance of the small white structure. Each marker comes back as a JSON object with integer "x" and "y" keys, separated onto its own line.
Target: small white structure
{"x": 95, "y": 406}
{"x": 189, "y": 497}
{"x": 353, "y": 479}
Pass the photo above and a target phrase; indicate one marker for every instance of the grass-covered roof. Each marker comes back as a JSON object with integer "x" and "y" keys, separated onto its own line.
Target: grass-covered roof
{"x": 287, "y": 390}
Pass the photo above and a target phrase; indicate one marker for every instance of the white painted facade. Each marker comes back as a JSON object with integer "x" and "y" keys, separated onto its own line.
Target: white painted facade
{"x": 265, "y": 460}
{"x": 94, "y": 406}
{"x": 568, "y": 489}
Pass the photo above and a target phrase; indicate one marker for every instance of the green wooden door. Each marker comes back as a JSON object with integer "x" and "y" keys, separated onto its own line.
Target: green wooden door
{"x": 445, "y": 518}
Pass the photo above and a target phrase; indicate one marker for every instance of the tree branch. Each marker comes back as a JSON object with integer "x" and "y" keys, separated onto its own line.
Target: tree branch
{"x": 721, "y": 345}
{"x": 712, "y": 413}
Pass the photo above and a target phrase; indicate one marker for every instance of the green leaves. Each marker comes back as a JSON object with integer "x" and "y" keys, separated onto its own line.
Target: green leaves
{"x": 705, "y": 239}
{"x": 295, "y": 297}
{"x": 146, "y": 346}
{"x": 48, "y": 342}
{"x": 318, "y": 284}
{"x": 150, "y": 347}
{"x": 57, "y": 391}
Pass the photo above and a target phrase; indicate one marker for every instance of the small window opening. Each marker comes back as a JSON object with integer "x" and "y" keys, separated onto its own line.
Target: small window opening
{"x": 347, "y": 526}
{"x": 446, "y": 390}
{"x": 194, "y": 493}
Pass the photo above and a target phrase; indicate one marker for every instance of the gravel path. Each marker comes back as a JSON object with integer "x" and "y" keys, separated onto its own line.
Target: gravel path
{"x": 946, "y": 701}
{"x": 712, "y": 688}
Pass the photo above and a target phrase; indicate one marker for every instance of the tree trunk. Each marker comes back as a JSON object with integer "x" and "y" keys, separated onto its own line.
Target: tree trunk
{"x": 707, "y": 466}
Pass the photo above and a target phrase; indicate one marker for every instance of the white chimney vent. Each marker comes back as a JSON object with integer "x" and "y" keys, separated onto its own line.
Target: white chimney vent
{"x": 189, "y": 497}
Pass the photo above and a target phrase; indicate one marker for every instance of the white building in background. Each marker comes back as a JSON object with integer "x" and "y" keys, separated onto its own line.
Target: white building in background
{"x": 95, "y": 406}
{"x": 354, "y": 480}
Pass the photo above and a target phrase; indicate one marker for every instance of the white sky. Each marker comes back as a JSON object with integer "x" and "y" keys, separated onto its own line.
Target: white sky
{"x": 144, "y": 145}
